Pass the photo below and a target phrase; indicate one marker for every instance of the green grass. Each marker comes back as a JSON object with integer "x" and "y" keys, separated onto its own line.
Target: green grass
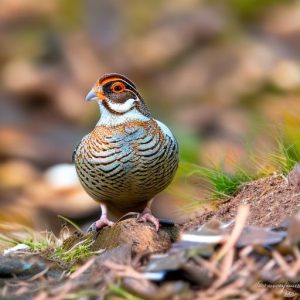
{"x": 286, "y": 157}
{"x": 219, "y": 183}
{"x": 50, "y": 246}
{"x": 36, "y": 241}
{"x": 79, "y": 251}
{"x": 288, "y": 152}
{"x": 222, "y": 183}
{"x": 36, "y": 245}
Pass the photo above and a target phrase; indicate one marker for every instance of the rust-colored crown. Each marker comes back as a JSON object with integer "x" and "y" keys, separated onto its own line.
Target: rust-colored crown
{"x": 115, "y": 76}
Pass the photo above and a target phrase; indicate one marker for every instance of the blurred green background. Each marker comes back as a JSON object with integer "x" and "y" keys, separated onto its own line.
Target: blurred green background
{"x": 224, "y": 75}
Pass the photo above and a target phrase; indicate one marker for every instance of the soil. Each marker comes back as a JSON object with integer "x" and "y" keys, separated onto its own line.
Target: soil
{"x": 271, "y": 200}
{"x": 115, "y": 272}
{"x": 142, "y": 237}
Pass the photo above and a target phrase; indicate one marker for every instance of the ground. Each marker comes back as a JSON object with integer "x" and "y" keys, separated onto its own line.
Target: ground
{"x": 245, "y": 259}
{"x": 271, "y": 201}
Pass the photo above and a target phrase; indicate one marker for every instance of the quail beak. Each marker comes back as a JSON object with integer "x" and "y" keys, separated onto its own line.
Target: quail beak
{"x": 95, "y": 95}
{"x": 91, "y": 95}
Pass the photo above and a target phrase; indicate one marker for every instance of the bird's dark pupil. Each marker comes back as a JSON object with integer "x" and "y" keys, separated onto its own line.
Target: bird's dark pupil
{"x": 118, "y": 88}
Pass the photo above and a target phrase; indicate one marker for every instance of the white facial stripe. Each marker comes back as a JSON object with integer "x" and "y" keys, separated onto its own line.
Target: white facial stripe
{"x": 109, "y": 119}
{"x": 121, "y": 107}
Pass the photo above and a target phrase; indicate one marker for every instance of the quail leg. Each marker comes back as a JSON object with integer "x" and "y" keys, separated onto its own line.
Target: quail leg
{"x": 146, "y": 216}
{"x": 102, "y": 222}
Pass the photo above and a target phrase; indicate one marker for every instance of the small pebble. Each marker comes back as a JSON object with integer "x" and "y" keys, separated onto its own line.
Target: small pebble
{"x": 19, "y": 247}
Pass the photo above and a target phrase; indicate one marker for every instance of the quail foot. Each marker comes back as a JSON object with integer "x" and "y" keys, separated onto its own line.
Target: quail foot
{"x": 129, "y": 157}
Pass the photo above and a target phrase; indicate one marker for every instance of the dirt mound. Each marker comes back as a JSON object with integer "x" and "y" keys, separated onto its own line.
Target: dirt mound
{"x": 271, "y": 200}
{"x": 142, "y": 236}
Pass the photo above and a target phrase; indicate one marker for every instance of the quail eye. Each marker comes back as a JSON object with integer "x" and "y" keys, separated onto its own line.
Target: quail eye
{"x": 118, "y": 87}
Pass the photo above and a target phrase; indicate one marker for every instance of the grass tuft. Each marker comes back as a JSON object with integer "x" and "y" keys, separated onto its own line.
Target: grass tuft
{"x": 36, "y": 245}
{"x": 221, "y": 184}
{"x": 50, "y": 246}
{"x": 36, "y": 241}
{"x": 225, "y": 185}
{"x": 288, "y": 153}
{"x": 79, "y": 251}
{"x": 286, "y": 157}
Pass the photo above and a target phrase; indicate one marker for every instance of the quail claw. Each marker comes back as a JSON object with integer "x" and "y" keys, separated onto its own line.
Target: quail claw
{"x": 101, "y": 223}
{"x": 146, "y": 216}
{"x": 92, "y": 228}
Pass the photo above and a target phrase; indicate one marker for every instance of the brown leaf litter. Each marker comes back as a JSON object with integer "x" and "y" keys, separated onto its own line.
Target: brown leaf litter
{"x": 256, "y": 257}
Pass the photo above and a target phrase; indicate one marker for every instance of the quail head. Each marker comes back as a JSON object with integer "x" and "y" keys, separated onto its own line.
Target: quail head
{"x": 129, "y": 157}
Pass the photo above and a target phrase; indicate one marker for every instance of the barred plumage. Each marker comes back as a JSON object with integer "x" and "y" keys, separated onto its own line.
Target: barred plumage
{"x": 129, "y": 157}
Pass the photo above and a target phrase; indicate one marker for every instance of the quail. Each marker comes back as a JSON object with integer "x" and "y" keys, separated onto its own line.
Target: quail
{"x": 129, "y": 157}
